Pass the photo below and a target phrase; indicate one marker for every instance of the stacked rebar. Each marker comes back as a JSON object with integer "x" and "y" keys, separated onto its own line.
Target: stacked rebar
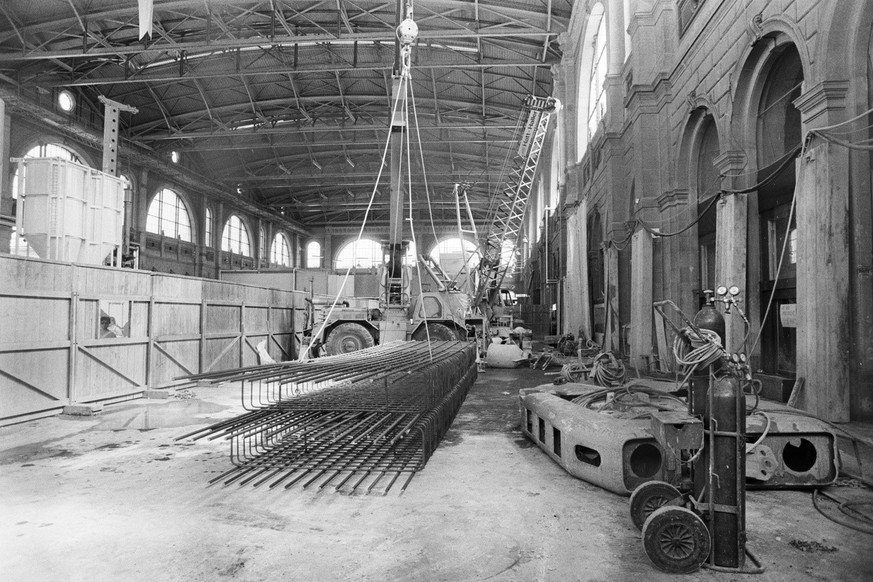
{"x": 356, "y": 421}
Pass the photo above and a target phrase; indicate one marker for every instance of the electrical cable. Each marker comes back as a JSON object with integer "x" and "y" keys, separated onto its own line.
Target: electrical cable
{"x": 750, "y": 448}
{"x": 697, "y": 351}
{"x": 850, "y": 525}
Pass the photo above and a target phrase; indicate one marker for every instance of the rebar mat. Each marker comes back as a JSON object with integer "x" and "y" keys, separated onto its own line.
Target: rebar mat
{"x": 357, "y": 422}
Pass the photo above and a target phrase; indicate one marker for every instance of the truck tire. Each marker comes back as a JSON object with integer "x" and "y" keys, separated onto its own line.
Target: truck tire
{"x": 438, "y": 332}
{"x": 348, "y": 337}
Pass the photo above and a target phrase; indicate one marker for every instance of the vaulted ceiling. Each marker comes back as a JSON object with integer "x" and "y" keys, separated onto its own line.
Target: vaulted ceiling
{"x": 288, "y": 102}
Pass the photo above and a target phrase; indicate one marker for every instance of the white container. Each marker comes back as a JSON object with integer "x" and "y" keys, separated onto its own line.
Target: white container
{"x": 104, "y": 218}
{"x": 52, "y": 207}
{"x": 69, "y": 212}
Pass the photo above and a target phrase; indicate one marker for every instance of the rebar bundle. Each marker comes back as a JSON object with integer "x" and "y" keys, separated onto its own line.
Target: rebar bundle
{"x": 349, "y": 421}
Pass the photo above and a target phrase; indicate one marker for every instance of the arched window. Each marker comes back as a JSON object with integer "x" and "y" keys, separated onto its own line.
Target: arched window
{"x": 707, "y": 186}
{"x": 366, "y": 253}
{"x": 235, "y": 237}
{"x": 169, "y": 216}
{"x": 359, "y": 254}
{"x": 46, "y": 150}
{"x": 592, "y": 74}
{"x": 280, "y": 251}
{"x": 452, "y": 253}
{"x": 208, "y": 227}
{"x": 707, "y": 173}
{"x": 313, "y": 255}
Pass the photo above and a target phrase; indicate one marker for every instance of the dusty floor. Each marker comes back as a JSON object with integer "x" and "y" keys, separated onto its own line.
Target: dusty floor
{"x": 114, "y": 497}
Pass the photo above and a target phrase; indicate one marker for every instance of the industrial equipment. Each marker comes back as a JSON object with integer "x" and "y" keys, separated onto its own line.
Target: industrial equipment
{"x": 685, "y": 462}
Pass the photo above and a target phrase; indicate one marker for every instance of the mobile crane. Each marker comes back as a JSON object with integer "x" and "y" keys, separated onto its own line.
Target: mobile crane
{"x": 448, "y": 313}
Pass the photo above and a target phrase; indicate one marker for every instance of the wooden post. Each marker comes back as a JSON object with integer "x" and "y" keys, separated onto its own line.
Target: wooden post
{"x": 824, "y": 319}
{"x": 202, "y": 361}
{"x": 641, "y": 300}
{"x": 74, "y": 346}
{"x": 730, "y": 257}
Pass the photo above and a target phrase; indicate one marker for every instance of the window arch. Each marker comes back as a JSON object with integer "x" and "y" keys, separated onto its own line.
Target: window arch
{"x": 366, "y": 253}
{"x": 280, "y": 250}
{"x": 235, "y": 237}
{"x": 707, "y": 173}
{"x": 313, "y": 255}
{"x": 168, "y": 216}
{"x": 591, "y": 96}
{"x": 452, "y": 253}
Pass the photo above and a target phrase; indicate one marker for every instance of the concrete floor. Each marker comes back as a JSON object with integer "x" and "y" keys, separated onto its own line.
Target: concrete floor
{"x": 114, "y": 497}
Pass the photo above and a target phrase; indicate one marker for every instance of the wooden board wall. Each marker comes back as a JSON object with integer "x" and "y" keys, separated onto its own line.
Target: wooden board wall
{"x": 52, "y": 352}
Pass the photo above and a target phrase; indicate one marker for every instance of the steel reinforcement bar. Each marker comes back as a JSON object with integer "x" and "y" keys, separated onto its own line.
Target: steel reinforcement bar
{"x": 356, "y": 422}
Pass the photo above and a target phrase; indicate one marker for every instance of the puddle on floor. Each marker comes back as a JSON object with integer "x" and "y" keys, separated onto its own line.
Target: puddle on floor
{"x": 152, "y": 416}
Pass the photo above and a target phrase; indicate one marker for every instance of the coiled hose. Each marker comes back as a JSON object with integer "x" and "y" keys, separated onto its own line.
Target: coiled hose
{"x": 693, "y": 350}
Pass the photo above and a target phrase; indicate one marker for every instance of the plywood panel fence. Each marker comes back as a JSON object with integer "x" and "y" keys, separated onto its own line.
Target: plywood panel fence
{"x": 71, "y": 333}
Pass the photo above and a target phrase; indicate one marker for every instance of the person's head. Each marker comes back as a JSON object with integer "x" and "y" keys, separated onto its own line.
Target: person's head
{"x": 106, "y": 321}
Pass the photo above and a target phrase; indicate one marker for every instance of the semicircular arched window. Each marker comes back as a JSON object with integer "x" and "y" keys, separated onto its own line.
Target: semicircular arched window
{"x": 235, "y": 237}
{"x": 280, "y": 250}
{"x": 313, "y": 255}
{"x": 453, "y": 253}
{"x": 168, "y": 216}
{"x": 366, "y": 253}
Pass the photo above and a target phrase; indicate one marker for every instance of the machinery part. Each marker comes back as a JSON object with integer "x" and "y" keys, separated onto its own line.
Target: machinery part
{"x": 348, "y": 337}
{"x": 761, "y": 465}
{"x": 721, "y": 475}
{"x": 350, "y": 421}
{"x": 648, "y": 497}
{"x": 615, "y": 453}
{"x": 676, "y": 540}
{"x": 804, "y": 449}
{"x": 504, "y": 355}
{"x": 437, "y": 331}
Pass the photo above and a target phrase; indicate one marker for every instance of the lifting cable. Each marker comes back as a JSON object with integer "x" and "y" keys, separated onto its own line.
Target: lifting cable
{"x": 304, "y": 354}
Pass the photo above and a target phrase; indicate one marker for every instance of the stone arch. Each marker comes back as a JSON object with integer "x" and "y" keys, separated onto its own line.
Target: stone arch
{"x": 769, "y": 40}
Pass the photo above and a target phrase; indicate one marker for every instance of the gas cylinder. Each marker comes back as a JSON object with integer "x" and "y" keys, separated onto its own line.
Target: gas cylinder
{"x": 707, "y": 318}
{"x": 725, "y": 418}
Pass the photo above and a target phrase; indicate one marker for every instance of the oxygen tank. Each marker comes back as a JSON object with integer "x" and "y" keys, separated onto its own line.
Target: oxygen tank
{"x": 726, "y": 413}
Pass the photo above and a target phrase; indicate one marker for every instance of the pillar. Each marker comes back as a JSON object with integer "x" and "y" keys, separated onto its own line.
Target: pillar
{"x": 824, "y": 317}
{"x": 641, "y": 300}
{"x": 730, "y": 258}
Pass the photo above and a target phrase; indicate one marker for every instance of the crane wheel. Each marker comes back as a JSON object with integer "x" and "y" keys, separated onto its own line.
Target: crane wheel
{"x": 438, "y": 332}
{"x": 348, "y": 337}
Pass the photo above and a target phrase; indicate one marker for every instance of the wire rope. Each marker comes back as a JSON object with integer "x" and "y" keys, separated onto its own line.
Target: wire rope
{"x": 304, "y": 354}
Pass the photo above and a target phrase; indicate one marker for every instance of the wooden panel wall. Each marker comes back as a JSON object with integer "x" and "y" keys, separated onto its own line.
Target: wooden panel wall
{"x": 52, "y": 352}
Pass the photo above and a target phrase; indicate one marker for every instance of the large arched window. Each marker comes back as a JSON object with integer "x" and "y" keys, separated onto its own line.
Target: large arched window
{"x": 452, "y": 253}
{"x": 280, "y": 250}
{"x": 707, "y": 186}
{"x": 313, "y": 255}
{"x": 592, "y": 75}
{"x": 235, "y": 237}
{"x": 366, "y": 253}
{"x": 168, "y": 216}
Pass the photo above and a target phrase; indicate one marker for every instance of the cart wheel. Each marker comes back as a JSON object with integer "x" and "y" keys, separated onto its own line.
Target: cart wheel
{"x": 676, "y": 540}
{"x": 648, "y": 497}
